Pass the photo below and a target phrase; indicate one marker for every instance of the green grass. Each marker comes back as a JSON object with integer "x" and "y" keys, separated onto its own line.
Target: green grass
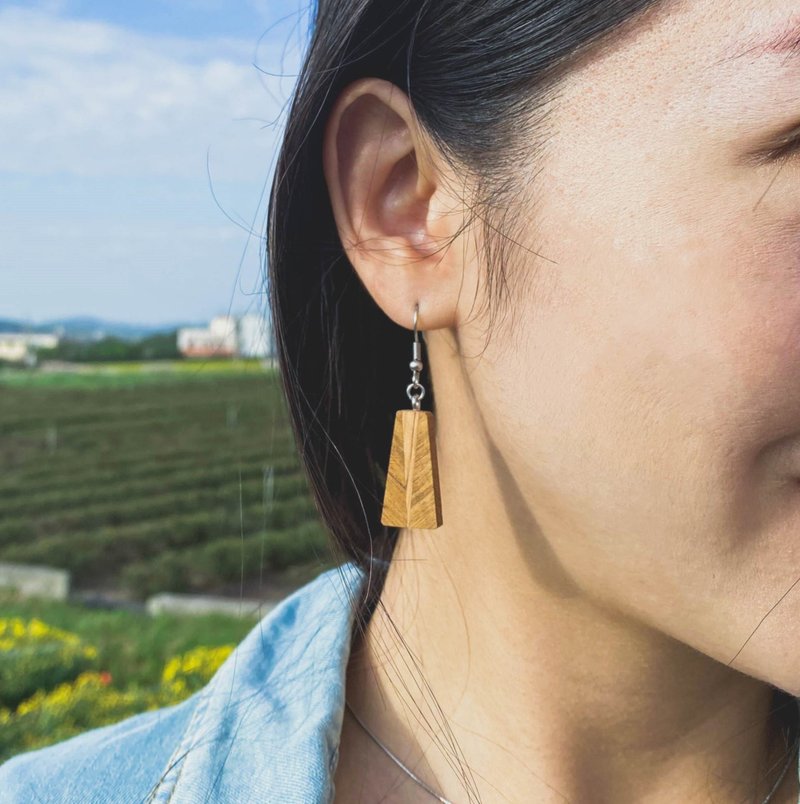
{"x": 127, "y": 373}
{"x": 133, "y": 647}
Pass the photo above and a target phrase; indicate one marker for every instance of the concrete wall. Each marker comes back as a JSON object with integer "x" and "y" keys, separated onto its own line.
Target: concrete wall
{"x": 33, "y": 581}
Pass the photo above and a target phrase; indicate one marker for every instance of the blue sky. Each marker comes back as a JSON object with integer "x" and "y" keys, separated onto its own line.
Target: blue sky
{"x": 137, "y": 141}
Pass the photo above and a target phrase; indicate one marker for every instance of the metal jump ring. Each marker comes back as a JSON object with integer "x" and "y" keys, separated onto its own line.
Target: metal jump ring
{"x": 418, "y": 395}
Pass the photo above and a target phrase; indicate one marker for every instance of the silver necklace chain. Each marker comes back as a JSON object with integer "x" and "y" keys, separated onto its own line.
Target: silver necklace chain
{"x": 443, "y": 800}
{"x": 411, "y": 773}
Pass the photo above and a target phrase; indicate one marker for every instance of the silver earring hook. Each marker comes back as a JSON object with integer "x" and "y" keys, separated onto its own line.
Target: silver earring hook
{"x": 415, "y": 391}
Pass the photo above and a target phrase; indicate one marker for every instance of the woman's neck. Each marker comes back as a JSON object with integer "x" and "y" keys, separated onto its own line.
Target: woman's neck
{"x": 523, "y": 697}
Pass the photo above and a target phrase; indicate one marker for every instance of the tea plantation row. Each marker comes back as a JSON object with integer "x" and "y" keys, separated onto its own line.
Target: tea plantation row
{"x": 189, "y": 482}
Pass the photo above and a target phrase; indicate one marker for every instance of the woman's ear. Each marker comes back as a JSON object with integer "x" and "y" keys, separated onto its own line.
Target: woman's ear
{"x": 388, "y": 193}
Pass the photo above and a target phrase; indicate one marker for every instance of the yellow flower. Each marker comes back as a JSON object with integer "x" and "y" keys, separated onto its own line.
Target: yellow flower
{"x": 15, "y": 631}
{"x": 171, "y": 669}
{"x": 185, "y": 673}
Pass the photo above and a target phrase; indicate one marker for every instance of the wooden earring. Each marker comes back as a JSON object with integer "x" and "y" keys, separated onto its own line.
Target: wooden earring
{"x": 412, "y": 498}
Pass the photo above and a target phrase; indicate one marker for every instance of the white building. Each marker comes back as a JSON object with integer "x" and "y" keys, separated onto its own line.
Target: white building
{"x": 21, "y": 346}
{"x": 255, "y": 336}
{"x": 216, "y": 340}
{"x": 227, "y": 336}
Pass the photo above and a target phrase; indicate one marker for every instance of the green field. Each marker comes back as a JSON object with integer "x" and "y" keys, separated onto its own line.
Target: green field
{"x": 133, "y": 647}
{"x": 141, "y": 478}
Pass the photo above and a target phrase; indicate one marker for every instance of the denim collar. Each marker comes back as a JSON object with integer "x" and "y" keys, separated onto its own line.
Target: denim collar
{"x": 267, "y": 726}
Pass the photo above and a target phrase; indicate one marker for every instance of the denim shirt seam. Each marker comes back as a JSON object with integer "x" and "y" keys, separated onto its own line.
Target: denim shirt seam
{"x": 170, "y": 778}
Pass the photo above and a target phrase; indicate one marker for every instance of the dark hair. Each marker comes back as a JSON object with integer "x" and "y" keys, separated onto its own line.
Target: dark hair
{"x": 477, "y": 74}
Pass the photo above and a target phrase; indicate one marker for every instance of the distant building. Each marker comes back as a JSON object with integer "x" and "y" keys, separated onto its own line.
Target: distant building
{"x": 227, "y": 336}
{"x": 217, "y": 340}
{"x": 20, "y": 347}
{"x": 254, "y": 335}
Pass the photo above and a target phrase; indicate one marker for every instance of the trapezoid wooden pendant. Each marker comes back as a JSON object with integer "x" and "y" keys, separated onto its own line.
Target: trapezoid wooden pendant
{"x": 412, "y": 498}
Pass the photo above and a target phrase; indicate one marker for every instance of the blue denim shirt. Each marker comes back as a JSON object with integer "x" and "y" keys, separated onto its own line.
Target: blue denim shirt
{"x": 264, "y": 729}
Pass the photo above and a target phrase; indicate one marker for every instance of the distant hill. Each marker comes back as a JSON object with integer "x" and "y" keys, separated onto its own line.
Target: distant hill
{"x": 90, "y": 328}
{"x": 10, "y": 325}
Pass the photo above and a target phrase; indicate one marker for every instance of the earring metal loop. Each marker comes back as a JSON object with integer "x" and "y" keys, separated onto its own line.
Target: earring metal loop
{"x": 415, "y": 391}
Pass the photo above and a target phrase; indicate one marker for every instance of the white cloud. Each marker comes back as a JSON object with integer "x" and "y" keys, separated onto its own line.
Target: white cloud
{"x": 93, "y": 99}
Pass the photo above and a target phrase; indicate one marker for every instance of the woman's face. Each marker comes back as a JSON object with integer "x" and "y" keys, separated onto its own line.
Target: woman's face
{"x": 650, "y": 407}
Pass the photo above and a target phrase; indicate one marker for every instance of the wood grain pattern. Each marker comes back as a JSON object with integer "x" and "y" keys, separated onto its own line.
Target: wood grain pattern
{"x": 412, "y": 498}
